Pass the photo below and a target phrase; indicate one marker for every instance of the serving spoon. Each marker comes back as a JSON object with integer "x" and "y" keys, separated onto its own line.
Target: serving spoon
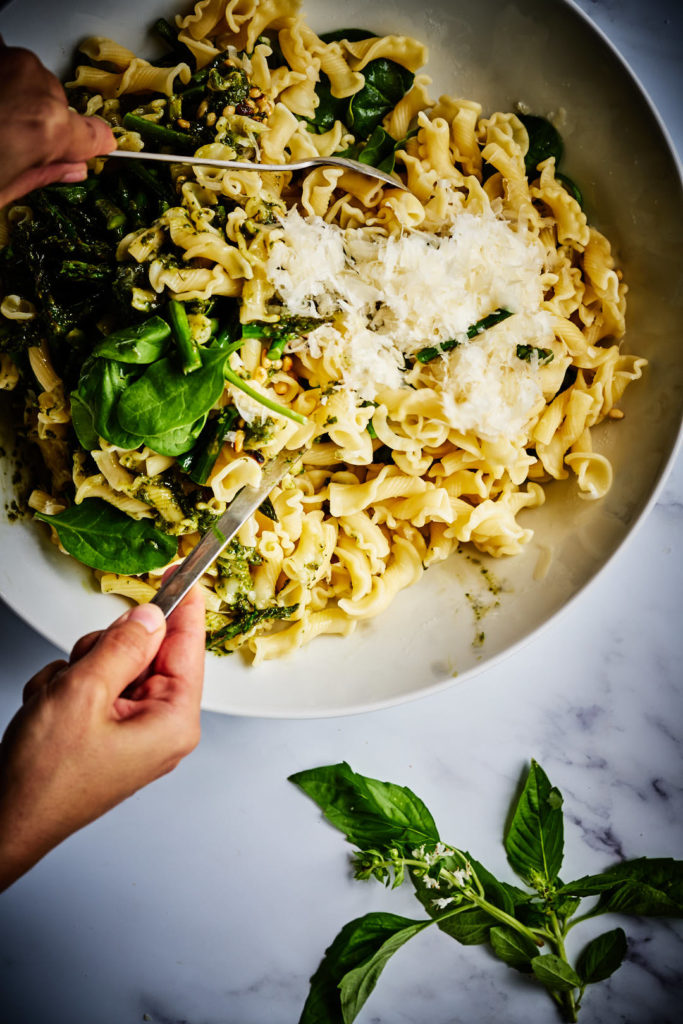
{"x": 243, "y": 165}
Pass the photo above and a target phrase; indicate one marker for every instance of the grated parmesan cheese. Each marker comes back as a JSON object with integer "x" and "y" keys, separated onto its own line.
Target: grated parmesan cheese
{"x": 393, "y": 296}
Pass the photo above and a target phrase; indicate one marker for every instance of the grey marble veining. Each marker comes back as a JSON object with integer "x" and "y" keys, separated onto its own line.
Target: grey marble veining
{"x": 209, "y": 897}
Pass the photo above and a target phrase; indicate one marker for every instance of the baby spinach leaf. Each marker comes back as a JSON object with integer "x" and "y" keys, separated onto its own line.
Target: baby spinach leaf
{"x": 386, "y": 82}
{"x": 105, "y": 538}
{"x": 602, "y": 956}
{"x": 571, "y": 187}
{"x": 330, "y": 108}
{"x": 201, "y": 458}
{"x": 83, "y": 423}
{"x": 534, "y": 839}
{"x": 164, "y": 398}
{"x": 177, "y": 441}
{"x": 544, "y": 141}
{"x": 515, "y": 949}
{"x": 142, "y": 343}
{"x": 369, "y": 812}
{"x": 100, "y": 387}
{"x": 358, "y": 953}
{"x": 353, "y": 35}
{"x": 556, "y": 974}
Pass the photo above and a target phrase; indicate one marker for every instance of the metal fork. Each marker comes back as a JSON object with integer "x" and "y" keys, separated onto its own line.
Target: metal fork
{"x": 243, "y": 165}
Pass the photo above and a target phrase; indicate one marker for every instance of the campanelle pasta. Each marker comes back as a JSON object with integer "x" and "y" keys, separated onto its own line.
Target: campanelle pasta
{"x": 459, "y": 340}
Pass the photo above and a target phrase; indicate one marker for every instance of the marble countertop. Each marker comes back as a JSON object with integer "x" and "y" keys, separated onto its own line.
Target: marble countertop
{"x": 210, "y": 897}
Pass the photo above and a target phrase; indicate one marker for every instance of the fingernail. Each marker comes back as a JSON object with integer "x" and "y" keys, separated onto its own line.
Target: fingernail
{"x": 74, "y": 176}
{"x": 150, "y": 617}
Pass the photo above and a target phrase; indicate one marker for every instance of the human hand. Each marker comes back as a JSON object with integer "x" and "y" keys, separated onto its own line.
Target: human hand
{"x": 43, "y": 141}
{"x": 77, "y": 747}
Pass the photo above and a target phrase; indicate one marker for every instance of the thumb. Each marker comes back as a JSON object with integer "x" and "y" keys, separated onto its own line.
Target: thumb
{"x": 124, "y": 650}
{"x": 86, "y": 137}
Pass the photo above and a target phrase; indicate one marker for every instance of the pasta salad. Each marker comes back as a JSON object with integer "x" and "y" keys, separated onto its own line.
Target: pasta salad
{"x": 440, "y": 355}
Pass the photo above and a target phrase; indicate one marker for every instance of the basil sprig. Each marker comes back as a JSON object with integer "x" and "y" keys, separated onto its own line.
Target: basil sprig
{"x": 526, "y": 928}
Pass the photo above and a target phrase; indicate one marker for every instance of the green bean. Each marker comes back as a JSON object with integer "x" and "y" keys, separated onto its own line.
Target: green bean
{"x": 114, "y": 217}
{"x": 157, "y": 133}
{"x": 425, "y": 355}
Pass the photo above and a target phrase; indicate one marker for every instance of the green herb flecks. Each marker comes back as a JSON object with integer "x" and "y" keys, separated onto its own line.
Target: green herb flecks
{"x": 396, "y": 839}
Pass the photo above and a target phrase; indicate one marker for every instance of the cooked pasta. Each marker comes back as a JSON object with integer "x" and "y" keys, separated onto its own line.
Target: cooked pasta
{"x": 440, "y": 355}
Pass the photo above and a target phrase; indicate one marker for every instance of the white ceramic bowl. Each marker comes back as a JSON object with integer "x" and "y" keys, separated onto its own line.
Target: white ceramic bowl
{"x": 547, "y": 54}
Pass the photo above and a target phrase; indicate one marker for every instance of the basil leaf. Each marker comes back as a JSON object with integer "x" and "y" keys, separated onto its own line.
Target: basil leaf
{"x": 651, "y": 887}
{"x": 370, "y": 813}
{"x": 356, "y": 985}
{"x": 544, "y": 141}
{"x": 556, "y": 974}
{"x": 514, "y": 949}
{"x": 351, "y": 965}
{"x": 142, "y": 343}
{"x": 105, "y": 538}
{"x": 602, "y": 956}
{"x": 386, "y": 82}
{"x": 534, "y": 839}
{"x": 165, "y": 398}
